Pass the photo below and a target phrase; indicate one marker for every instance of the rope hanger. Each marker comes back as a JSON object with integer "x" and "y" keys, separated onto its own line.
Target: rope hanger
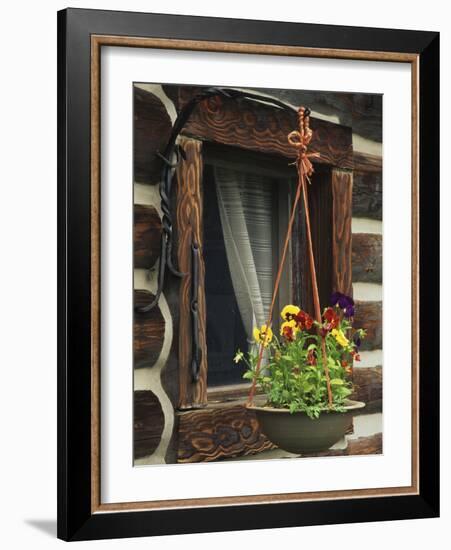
{"x": 300, "y": 139}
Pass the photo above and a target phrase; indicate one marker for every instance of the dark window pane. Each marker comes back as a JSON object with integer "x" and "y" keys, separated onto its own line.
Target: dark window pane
{"x": 225, "y": 330}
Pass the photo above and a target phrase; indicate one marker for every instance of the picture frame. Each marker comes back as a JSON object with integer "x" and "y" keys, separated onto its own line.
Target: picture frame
{"x": 81, "y": 35}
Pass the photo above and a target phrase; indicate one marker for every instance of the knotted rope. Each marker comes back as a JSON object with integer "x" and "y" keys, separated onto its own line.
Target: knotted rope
{"x": 300, "y": 139}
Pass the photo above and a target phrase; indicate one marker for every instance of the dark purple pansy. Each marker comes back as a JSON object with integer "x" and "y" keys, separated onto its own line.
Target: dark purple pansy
{"x": 344, "y": 302}
{"x": 335, "y": 298}
{"x": 357, "y": 340}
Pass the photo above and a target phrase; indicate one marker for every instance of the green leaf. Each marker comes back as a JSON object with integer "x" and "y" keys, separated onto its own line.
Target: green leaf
{"x": 336, "y": 382}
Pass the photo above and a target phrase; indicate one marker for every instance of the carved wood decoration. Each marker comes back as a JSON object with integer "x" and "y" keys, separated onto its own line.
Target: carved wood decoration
{"x": 148, "y": 332}
{"x": 148, "y": 423}
{"x": 367, "y": 258}
{"x": 259, "y": 127}
{"x": 367, "y": 196}
{"x": 342, "y": 231}
{"x": 217, "y": 433}
{"x": 189, "y": 230}
{"x": 369, "y": 316}
{"x": 146, "y": 236}
{"x": 152, "y": 127}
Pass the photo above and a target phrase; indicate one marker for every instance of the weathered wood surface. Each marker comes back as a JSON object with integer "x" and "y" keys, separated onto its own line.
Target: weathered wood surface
{"x": 366, "y": 258}
{"x": 148, "y": 331}
{"x": 370, "y": 445}
{"x": 189, "y": 230}
{"x": 362, "y": 112}
{"x": 259, "y": 127}
{"x": 148, "y": 423}
{"x": 152, "y": 127}
{"x": 368, "y": 315}
{"x": 342, "y": 231}
{"x": 366, "y": 162}
{"x": 367, "y": 195}
{"x": 367, "y": 385}
{"x": 146, "y": 236}
{"x": 217, "y": 433}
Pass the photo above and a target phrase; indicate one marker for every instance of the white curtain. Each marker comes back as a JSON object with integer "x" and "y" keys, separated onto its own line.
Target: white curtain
{"x": 246, "y": 208}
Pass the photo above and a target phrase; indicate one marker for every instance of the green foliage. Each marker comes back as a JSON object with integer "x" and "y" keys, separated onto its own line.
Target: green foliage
{"x": 292, "y": 374}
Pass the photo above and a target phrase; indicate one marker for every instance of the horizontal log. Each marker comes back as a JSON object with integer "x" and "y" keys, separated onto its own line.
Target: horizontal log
{"x": 146, "y": 236}
{"x": 368, "y": 315}
{"x": 371, "y": 445}
{"x": 216, "y": 433}
{"x": 366, "y": 162}
{"x": 152, "y": 128}
{"x": 367, "y": 385}
{"x": 371, "y": 407}
{"x": 148, "y": 423}
{"x": 148, "y": 331}
{"x": 366, "y": 258}
{"x": 260, "y": 127}
{"x": 367, "y": 195}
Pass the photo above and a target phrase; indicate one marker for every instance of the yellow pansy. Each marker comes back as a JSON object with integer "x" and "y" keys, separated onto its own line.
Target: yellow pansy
{"x": 289, "y": 311}
{"x": 288, "y": 325}
{"x": 340, "y": 337}
{"x": 263, "y": 335}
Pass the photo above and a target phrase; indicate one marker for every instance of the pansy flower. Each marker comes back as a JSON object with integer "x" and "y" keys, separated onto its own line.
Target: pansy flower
{"x": 311, "y": 357}
{"x": 263, "y": 335}
{"x": 357, "y": 340}
{"x": 346, "y": 303}
{"x": 340, "y": 337}
{"x": 288, "y": 330}
{"x": 303, "y": 320}
{"x": 289, "y": 312}
{"x": 331, "y": 317}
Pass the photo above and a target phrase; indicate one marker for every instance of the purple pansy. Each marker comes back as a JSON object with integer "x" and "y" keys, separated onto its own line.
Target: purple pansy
{"x": 346, "y": 303}
{"x": 357, "y": 340}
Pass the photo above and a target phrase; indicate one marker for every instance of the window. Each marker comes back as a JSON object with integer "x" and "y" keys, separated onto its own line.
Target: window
{"x": 244, "y": 223}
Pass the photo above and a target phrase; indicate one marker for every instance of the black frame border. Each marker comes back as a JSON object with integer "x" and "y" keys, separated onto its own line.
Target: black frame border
{"x": 75, "y": 520}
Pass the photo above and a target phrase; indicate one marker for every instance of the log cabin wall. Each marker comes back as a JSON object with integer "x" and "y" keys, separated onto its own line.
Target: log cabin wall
{"x": 367, "y": 278}
{"x": 155, "y": 372}
{"x": 156, "y": 424}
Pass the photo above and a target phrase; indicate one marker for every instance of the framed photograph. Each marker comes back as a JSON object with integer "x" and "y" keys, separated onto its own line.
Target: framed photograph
{"x": 248, "y": 274}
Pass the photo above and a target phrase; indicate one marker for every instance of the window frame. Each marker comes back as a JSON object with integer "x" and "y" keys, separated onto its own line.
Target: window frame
{"x": 204, "y": 131}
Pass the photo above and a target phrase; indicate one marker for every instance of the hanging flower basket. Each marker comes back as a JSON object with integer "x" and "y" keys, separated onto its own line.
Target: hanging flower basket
{"x": 305, "y": 410}
{"x": 305, "y": 372}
